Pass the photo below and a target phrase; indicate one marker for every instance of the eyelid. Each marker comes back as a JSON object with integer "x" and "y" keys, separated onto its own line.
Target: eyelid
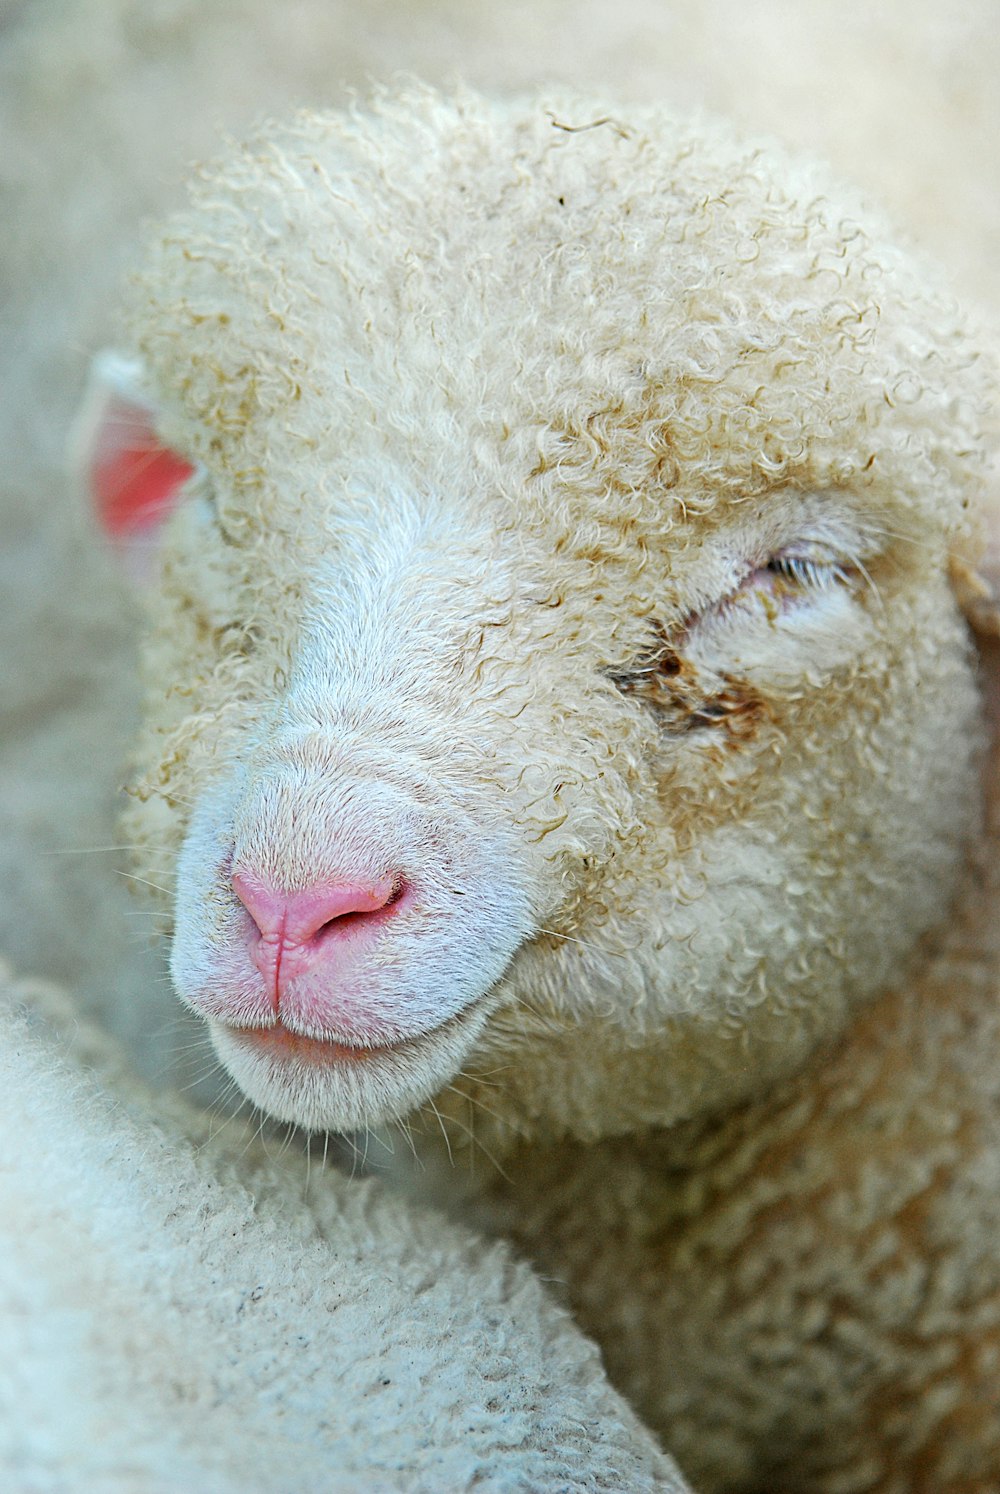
{"x": 810, "y": 565}
{"x": 807, "y": 566}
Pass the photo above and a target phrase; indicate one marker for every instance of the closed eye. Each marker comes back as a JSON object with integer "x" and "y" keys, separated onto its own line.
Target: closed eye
{"x": 789, "y": 617}
{"x": 793, "y": 575}
{"x": 809, "y": 570}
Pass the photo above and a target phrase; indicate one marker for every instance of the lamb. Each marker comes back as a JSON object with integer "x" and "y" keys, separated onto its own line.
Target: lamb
{"x": 181, "y": 1319}
{"x": 571, "y": 729}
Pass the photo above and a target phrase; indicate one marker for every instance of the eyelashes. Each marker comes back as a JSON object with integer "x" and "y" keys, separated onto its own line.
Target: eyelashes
{"x": 814, "y": 569}
{"x": 787, "y": 579}
{"x": 688, "y": 695}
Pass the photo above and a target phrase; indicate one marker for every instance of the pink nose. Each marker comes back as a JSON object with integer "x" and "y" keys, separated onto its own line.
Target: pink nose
{"x": 298, "y": 917}
{"x": 293, "y": 930}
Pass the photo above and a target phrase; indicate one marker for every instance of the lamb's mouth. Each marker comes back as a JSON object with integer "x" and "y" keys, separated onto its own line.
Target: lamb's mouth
{"x": 326, "y": 1085}
{"x": 282, "y": 1042}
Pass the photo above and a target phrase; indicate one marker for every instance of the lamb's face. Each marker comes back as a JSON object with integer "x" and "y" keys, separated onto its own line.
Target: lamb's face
{"x": 556, "y": 688}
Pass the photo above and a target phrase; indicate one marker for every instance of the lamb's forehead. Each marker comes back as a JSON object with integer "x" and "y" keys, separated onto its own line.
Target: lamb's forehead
{"x": 501, "y": 295}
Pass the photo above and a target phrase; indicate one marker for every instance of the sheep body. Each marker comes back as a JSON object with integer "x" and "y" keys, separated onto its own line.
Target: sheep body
{"x": 178, "y": 1312}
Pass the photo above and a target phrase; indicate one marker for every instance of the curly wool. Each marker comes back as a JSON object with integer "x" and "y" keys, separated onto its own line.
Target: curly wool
{"x": 806, "y": 1294}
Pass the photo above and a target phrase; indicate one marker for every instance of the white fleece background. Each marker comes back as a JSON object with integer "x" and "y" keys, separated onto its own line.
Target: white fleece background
{"x": 102, "y": 104}
{"x": 334, "y": 1340}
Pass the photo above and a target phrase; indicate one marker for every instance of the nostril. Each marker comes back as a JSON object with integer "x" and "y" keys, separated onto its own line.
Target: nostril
{"x": 360, "y": 908}
{"x": 315, "y": 912}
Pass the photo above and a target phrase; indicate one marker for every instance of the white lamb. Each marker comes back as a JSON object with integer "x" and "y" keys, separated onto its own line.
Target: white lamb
{"x": 560, "y": 716}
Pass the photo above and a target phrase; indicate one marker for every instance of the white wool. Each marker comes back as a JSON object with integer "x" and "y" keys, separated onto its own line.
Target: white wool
{"x": 187, "y": 1316}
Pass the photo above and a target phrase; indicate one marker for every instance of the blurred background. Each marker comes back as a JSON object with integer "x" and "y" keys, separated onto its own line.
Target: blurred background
{"x": 103, "y": 106}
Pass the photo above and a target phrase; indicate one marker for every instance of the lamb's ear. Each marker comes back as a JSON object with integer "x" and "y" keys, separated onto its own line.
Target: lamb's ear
{"x": 975, "y": 573}
{"x": 977, "y": 589}
{"x": 130, "y": 477}
{"x": 976, "y": 584}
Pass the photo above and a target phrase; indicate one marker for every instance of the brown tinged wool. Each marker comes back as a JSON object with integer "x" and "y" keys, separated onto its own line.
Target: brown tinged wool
{"x": 805, "y": 1295}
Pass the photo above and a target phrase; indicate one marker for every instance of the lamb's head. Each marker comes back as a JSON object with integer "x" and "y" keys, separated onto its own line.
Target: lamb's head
{"x": 556, "y": 686}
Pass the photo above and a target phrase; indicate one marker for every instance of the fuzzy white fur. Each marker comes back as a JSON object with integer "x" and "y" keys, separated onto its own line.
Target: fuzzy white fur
{"x": 180, "y": 1312}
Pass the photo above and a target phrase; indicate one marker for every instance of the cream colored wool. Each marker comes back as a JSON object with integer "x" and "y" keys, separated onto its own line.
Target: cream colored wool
{"x": 100, "y": 103}
{"x": 177, "y": 1316}
{"x": 509, "y": 416}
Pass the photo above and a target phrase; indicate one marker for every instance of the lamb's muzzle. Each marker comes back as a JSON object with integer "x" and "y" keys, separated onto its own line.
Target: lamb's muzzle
{"x": 300, "y": 964}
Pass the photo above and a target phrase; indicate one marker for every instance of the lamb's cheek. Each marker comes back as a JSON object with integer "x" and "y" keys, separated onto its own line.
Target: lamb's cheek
{"x": 715, "y": 959}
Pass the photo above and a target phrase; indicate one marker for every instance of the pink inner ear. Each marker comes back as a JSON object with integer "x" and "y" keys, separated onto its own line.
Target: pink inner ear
{"x": 134, "y": 479}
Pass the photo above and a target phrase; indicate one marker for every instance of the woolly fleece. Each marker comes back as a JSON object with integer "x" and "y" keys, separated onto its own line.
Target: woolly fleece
{"x": 807, "y": 1296}
{"x": 178, "y": 1313}
{"x": 901, "y": 96}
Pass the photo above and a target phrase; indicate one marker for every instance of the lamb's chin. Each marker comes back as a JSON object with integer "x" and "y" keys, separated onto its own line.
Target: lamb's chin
{"x": 324, "y": 1085}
